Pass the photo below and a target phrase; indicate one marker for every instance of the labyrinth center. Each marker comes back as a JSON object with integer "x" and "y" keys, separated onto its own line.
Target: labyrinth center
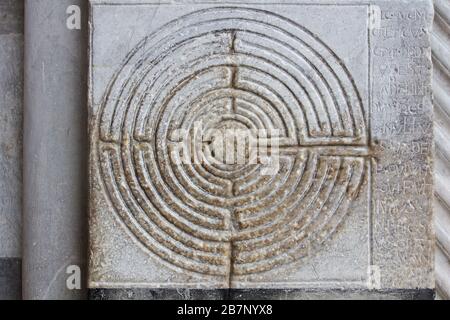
{"x": 240, "y": 69}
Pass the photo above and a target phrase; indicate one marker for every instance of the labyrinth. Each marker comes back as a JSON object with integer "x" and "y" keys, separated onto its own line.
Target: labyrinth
{"x": 235, "y": 68}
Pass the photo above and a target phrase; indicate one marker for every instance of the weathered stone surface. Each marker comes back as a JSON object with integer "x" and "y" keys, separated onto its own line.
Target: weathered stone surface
{"x": 12, "y": 17}
{"x": 55, "y": 139}
{"x": 345, "y": 89}
{"x": 10, "y": 279}
{"x": 11, "y": 93}
{"x": 261, "y": 294}
{"x": 440, "y": 45}
{"x": 11, "y": 96}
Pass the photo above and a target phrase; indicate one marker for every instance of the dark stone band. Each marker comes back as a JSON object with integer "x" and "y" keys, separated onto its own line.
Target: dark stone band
{"x": 11, "y": 19}
{"x": 10, "y": 279}
{"x": 259, "y": 294}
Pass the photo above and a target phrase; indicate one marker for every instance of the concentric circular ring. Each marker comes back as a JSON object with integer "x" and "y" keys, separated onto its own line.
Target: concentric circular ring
{"x": 233, "y": 68}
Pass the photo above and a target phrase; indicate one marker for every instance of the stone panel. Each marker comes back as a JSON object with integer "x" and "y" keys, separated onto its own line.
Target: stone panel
{"x": 346, "y": 204}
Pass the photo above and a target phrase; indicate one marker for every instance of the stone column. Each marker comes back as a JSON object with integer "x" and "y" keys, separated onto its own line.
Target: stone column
{"x": 440, "y": 43}
{"x": 11, "y": 93}
{"x": 54, "y": 149}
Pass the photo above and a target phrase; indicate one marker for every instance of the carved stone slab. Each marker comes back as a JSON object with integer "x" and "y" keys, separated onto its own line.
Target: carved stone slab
{"x": 341, "y": 92}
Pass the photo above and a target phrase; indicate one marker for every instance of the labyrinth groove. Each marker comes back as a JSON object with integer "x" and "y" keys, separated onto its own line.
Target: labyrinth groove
{"x": 241, "y": 72}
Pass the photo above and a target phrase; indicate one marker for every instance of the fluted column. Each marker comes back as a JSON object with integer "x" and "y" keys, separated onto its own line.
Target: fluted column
{"x": 440, "y": 42}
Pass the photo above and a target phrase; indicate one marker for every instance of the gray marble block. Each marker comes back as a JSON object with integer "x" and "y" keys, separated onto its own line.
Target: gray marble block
{"x": 11, "y": 97}
{"x": 55, "y": 139}
{"x": 345, "y": 89}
